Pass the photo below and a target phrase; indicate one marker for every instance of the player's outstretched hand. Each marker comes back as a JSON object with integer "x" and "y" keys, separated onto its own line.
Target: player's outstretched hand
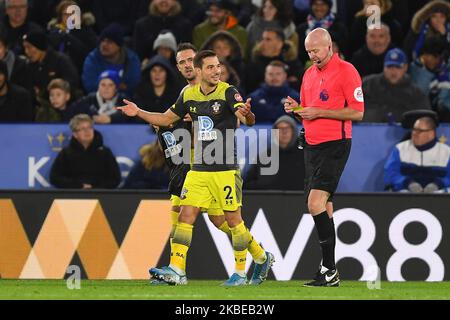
{"x": 245, "y": 109}
{"x": 130, "y": 109}
{"x": 290, "y": 105}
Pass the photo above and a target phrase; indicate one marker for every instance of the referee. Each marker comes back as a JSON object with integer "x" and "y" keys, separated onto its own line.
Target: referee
{"x": 331, "y": 98}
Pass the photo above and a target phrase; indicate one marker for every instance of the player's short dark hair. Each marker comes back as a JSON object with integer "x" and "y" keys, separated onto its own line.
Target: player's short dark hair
{"x": 186, "y": 46}
{"x": 278, "y": 32}
{"x": 199, "y": 57}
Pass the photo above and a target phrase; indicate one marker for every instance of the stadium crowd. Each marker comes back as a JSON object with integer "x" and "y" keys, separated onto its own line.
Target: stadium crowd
{"x": 52, "y": 71}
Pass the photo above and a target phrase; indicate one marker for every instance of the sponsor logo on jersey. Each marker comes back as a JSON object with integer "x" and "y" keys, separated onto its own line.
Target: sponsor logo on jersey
{"x": 324, "y": 95}
{"x": 172, "y": 147}
{"x": 206, "y": 126}
{"x": 169, "y": 139}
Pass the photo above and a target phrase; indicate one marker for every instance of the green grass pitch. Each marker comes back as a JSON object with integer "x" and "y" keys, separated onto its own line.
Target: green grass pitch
{"x": 211, "y": 290}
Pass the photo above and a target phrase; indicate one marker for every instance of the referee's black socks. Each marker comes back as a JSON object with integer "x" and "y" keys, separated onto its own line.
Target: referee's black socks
{"x": 334, "y": 239}
{"x": 327, "y": 237}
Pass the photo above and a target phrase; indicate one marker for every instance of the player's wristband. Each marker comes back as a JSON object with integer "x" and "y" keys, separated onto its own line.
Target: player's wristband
{"x": 299, "y": 108}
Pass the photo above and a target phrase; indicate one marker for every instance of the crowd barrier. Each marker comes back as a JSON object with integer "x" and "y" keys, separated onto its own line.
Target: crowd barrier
{"x": 120, "y": 234}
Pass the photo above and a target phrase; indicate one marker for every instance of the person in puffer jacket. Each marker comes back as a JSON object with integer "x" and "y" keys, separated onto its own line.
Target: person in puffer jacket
{"x": 86, "y": 163}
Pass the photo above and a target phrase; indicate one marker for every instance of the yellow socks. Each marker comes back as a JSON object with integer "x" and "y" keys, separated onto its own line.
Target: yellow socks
{"x": 174, "y": 218}
{"x": 180, "y": 245}
{"x": 255, "y": 249}
{"x": 225, "y": 229}
{"x": 240, "y": 239}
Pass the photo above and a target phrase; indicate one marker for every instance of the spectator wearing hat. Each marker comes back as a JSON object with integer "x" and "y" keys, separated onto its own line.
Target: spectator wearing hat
{"x": 17, "y": 65}
{"x": 47, "y": 64}
{"x": 322, "y": 17}
{"x": 268, "y": 100}
{"x": 391, "y": 93}
{"x": 165, "y": 45}
{"x": 100, "y": 105}
{"x": 162, "y": 15}
{"x": 420, "y": 164}
{"x": 16, "y": 24}
{"x": 431, "y": 72}
{"x": 220, "y": 17}
{"x": 291, "y": 172}
{"x": 432, "y": 21}
{"x": 370, "y": 58}
{"x": 112, "y": 55}
{"x": 273, "y": 46}
{"x": 158, "y": 89}
{"x": 15, "y": 101}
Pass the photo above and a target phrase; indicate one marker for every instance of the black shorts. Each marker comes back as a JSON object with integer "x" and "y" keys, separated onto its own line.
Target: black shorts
{"x": 324, "y": 164}
{"x": 177, "y": 176}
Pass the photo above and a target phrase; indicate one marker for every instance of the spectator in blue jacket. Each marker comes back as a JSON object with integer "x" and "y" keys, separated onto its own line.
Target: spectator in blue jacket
{"x": 420, "y": 164}
{"x": 268, "y": 100}
{"x": 112, "y": 55}
{"x": 431, "y": 73}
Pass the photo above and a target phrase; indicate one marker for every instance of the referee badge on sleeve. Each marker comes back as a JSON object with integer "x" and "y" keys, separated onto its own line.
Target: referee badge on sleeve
{"x": 359, "y": 95}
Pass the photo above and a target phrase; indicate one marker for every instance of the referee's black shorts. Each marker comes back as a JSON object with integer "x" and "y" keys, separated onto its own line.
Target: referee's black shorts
{"x": 324, "y": 164}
